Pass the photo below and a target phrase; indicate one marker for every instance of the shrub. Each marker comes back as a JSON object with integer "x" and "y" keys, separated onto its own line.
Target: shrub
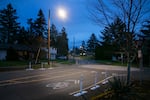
{"x": 119, "y": 90}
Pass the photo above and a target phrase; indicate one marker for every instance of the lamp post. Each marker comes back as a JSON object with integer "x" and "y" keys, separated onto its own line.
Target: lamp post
{"x": 62, "y": 14}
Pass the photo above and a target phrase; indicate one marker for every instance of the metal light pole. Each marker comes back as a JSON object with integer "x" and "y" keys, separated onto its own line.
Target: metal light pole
{"x": 48, "y": 38}
{"x": 63, "y": 15}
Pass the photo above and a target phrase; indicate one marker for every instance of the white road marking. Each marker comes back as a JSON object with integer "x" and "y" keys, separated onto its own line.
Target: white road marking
{"x": 58, "y": 85}
{"x": 74, "y": 81}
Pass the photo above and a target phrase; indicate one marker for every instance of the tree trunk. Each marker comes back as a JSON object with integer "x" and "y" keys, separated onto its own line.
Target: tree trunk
{"x": 128, "y": 68}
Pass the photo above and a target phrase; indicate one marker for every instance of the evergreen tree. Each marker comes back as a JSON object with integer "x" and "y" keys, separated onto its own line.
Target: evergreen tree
{"x": 83, "y": 45}
{"x": 53, "y": 37}
{"x": 8, "y": 25}
{"x": 92, "y": 43}
{"x": 31, "y": 27}
{"x": 37, "y": 30}
{"x": 62, "y": 43}
{"x": 40, "y": 24}
{"x": 146, "y": 45}
{"x": 31, "y": 33}
{"x": 116, "y": 39}
{"x": 23, "y": 36}
{"x": 32, "y": 37}
{"x": 114, "y": 35}
{"x": 82, "y": 48}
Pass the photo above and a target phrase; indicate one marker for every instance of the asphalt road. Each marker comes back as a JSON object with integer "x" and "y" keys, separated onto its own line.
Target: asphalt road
{"x": 59, "y": 83}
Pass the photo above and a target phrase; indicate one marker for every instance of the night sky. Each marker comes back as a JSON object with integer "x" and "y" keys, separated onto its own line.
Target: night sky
{"x": 78, "y": 24}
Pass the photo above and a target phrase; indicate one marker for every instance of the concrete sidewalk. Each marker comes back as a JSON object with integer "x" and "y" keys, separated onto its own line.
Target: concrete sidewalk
{"x": 109, "y": 67}
{"x": 135, "y": 72}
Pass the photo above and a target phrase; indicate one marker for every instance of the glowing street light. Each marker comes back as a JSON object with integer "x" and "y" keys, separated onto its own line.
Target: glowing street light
{"x": 62, "y": 13}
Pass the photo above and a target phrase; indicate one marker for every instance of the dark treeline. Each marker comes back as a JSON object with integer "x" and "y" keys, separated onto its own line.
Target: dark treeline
{"x": 126, "y": 34}
{"x": 122, "y": 35}
{"x": 88, "y": 47}
{"x": 114, "y": 42}
{"x": 34, "y": 35}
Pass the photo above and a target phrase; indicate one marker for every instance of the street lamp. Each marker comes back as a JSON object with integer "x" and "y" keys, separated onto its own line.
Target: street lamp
{"x": 62, "y": 14}
{"x": 48, "y": 38}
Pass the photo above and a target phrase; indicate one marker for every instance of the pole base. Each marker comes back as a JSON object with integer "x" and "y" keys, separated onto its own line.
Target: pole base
{"x": 29, "y": 69}
{"x": 95, "y": 87}
{"x": 80, "y": 93}
{"x": 50, "y": 68}
{"x": 105, "y": 82}
{"x": 42, "y": 69}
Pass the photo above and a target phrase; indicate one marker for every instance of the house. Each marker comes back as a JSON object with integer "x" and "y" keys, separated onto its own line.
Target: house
{"x": 53, "y": 52}
{"x": 3, "y": 54}
{"x": 24, "y": 52}
{"x": 21, "y": 51}
{"x": 119, "y": 56}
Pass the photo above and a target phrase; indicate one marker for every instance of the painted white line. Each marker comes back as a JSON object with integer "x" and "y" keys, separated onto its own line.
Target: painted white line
{"x": 61, "y": 85}
{"x": 58, "y": 85}
{"x": 73, "y": 81}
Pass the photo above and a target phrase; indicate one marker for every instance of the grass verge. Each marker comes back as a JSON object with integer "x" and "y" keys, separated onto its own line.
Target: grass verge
{"x": 12, "y": 63}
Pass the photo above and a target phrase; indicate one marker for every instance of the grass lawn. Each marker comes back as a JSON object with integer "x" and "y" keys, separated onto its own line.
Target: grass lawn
{"x": 18, "y": 65}
{"x": 12, "y": 63}
{"x": 68, "y": 62}
{"x": 26, "y": 63}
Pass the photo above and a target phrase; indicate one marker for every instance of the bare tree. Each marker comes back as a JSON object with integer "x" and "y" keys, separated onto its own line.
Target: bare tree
{"x": 132, "y": 13}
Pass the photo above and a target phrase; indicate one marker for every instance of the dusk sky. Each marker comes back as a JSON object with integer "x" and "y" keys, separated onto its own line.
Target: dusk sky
{"x": 78, "y": 24}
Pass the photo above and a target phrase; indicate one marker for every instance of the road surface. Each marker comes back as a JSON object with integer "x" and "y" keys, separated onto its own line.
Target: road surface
{"x": 59, "y": 83}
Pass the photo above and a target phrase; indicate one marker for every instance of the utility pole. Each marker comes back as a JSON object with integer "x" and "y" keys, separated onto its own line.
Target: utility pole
{"x": 48, "y": 38}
